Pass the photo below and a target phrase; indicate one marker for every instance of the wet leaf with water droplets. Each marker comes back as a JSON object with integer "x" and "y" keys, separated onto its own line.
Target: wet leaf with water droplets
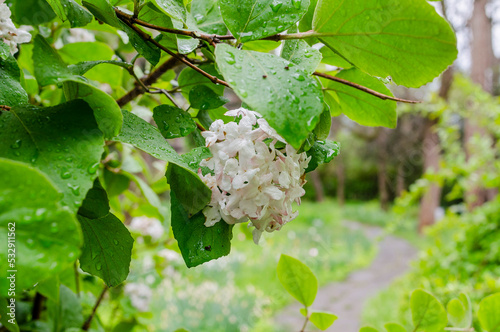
{"x": 406, "y": 40}
{"x": 198, "y": 243}
{"x": 256, "y": 19}
{"x": 173, "y": 122}
{"x": 38, "y": 132}
{"x": 101, "y": 232}
{"x": 46, "y": 233}
{"x": 288, "y": 98}
{"x": 11, "y": 91}
{"x": 322, "y": 152}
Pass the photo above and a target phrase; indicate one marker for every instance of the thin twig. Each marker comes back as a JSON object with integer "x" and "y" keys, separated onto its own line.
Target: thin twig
{"x": 148, "y": 38}
{"x": 87, "y": 323}
{"x": 165, "y": 92}
{"x": 305, "y": 322}
{"x": 148, "y": 80}
{"x": 5, "y": 107}
{"x": 36, "y": 311}
{"x": 364, "y": 88}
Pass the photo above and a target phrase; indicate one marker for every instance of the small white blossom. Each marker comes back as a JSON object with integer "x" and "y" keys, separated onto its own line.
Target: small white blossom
{"x": 79, "y": 35}
{"x": 147, "y": 227}
{"x": 8, "y": 31}
{"x": 140, "y": 295}
{"x": 252, "y": 179}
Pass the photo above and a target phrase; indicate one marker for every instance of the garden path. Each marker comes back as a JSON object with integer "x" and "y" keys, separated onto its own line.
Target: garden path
{"x": 347, "y": 298}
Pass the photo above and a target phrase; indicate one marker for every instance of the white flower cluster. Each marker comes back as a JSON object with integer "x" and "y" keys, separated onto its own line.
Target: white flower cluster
{"x": 140, "y": 295}
{"x": 8, "y": 31}
{"x": 147, "y": 227}
{"x": 252, "y": 178}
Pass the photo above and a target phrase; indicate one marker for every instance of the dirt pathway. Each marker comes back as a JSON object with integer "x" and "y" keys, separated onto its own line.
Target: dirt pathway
{"x": 347, "y": 298}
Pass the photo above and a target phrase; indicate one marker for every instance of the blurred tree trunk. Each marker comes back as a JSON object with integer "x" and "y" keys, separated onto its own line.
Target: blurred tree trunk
{"x": 339, "y": 163}
{"x": 483, "y": 59}
{"x": 318, "y": 186}
{"x": 382, "y": 158}
{"x": 431, "y": 151}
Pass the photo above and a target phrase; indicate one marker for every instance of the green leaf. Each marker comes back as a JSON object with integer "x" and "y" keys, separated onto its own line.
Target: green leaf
{"x": 83, "y": 52}
{"x": 428, "y": 314}
{"x": 50, "y": 69}
{"x": 173, "y": 122}
{"x": 322, "y": 130}
{"x": 460, "y": 312}
{"x": 31, "y": 12}
{"x": 208, "y": 17}
{"x": 193, "y": 194}
{"x": 62, "y": 141}
{"x": 300, "y": 53}
{"x": 203, "y": 98}
{"x": 115, "y": 183}
{"x": 406, "y": 40}
{"x": 189, "y": 78}
{"x": 173, "y": 8}
{"x": 198, "y": 243}
{"x": 195, "y": 156}
{"x": 288, "y": 98}
{"x": 107, "y": 245}
{"x": 47, "y": 236}
{"x": 153, "y": 15}
{"x": 488, "y": 313}
{"x": 9, "y": 322}
{"x": 368, "y": 329}
{"x": 322, "y": 152}
{"x": 394, "y": 327}
{"x": 11, "y": 91}
{"x": 333, "y": 59}
{"x": 106, "y": 110}
{"x": 359, "y": 106}
{"x": 322, "y": 320}
{"x": 104, "y": 12}
{"x": 297, "y": 279}
{"x": 256, "y": 19}
{"x": 69, "y": 10}
{"x": 192, "y": 191}
{"x": 66, "y": 313}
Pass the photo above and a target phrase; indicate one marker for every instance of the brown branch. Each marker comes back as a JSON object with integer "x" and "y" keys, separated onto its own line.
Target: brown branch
{"x": 148, "y": 80}
{"x": 87, "y": 323}
{"x": 5, "y": 107}
{"x": 364, "y": 88}
{"x": 182, "y": 59}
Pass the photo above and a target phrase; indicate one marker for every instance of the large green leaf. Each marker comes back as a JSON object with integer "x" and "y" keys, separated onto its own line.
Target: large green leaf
{"x": 297, "y": 279}
{"x": 172, "y": 121}
{"x": 488, "y": 313}
{"x": 50, "y": 69}
{"x": 198, "y": 243}
{"x": 107, "y": 245}
{"x": 288, "y": 98}
{"x": 428, "y": 314}
{"x": 360, "y": 106}
{"x": 189, "y": 78}
{"x": 404, "y": 39}
{"x": 153, "y": 15}
{"x": 66, "y": 314}
{"x": 62, "y": 141}
{"x": 47, "y": 236}
{"x": 192, "y": 192}
{"x": 69, "y": 10}
{"x": 255, "y": 19}
{"x": 11, "y": 91}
